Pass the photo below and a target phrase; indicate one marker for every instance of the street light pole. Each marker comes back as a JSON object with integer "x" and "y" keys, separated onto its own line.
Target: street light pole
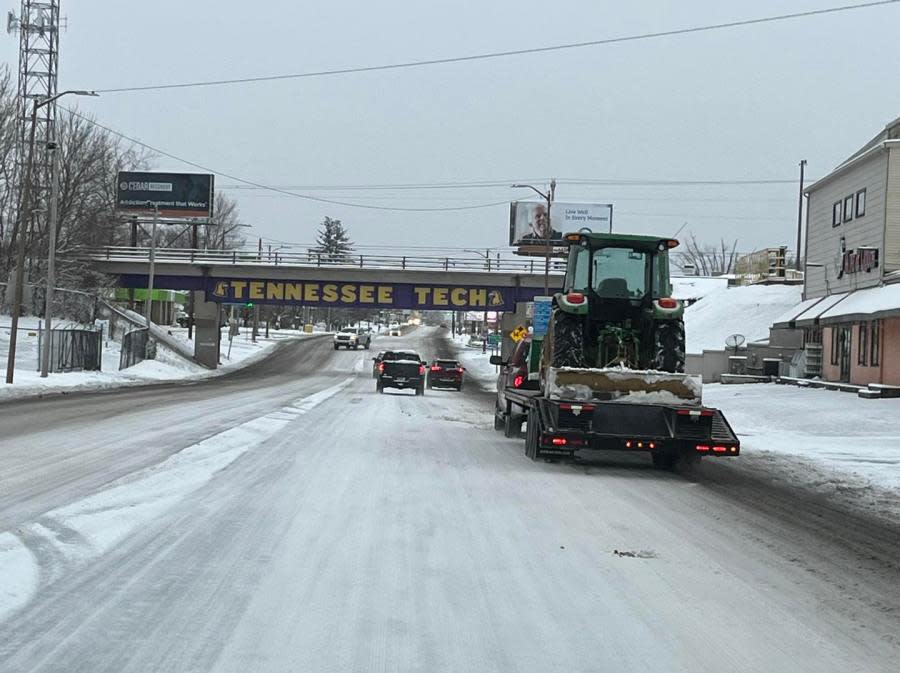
{"x": 548, "y": 197}
{"x": 51, "y": 260}
{"x": 24, "y": 216}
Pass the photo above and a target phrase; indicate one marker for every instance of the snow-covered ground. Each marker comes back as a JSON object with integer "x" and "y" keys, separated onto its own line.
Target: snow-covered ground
{"x": 838, "y": 443}
{"x": 748, "y": 310}
{"x": 166, "y": 367}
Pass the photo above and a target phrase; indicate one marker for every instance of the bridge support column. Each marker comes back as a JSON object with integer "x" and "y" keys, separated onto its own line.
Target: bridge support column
{"x": 206, "y": 334}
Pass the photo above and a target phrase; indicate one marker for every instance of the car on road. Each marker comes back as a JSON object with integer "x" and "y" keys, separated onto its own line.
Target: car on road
{"x": 376, "y": 361}
{"x": 513, "y": 375}
{"x": 401, "y": 369}
{"x": 394, "y": 331}
{"x": 353, "y": 337}
{"x": 445, "y": 374}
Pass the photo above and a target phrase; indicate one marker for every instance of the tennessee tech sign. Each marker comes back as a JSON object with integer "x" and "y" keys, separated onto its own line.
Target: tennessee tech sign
{"x": 375, "y": 295}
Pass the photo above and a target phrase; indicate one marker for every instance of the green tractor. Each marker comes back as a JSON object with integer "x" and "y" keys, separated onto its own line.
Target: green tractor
{"x": 616, "y": 310}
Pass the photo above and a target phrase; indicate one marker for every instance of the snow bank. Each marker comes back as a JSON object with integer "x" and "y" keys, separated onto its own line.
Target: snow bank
{"x": 749, "y": 310}
{"x": 477, "y": 364}
{"x": 19, "y": 574}
{"x": 167, "y": 367}
{"x": 854, "y": 443}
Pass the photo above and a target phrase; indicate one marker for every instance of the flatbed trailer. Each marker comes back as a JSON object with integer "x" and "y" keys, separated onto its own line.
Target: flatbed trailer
{"x": 558, "y": 428}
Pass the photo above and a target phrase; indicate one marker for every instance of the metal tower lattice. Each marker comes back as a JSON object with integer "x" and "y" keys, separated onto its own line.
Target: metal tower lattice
{"x": 38, "y": 28}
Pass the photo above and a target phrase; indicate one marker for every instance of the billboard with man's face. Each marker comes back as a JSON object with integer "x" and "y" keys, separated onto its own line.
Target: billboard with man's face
{"x": 530, "y": 224}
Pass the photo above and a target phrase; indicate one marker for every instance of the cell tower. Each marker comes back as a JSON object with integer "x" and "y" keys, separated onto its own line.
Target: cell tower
{"x": 38, "y": 28}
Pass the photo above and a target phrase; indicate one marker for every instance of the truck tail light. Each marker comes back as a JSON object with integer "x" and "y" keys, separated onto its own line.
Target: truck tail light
{"x": 559, "y": 441}
{"x": 421, "y": 369}
{"x": 381, "y": 366}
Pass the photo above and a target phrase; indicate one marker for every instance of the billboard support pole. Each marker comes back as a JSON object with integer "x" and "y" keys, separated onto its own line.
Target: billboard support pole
{"x": 149, "y": 303}
{"x": 548, "y": 249}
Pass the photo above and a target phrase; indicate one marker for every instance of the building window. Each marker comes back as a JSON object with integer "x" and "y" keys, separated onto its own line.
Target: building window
{"x": 863, "y": 354}
{"x": 835, "y": 346}
{"x": 861, "y": 203}
{"x": 874, "y": 360}
{"x": 848, "y": 209}
{"x": 836, "y": 214}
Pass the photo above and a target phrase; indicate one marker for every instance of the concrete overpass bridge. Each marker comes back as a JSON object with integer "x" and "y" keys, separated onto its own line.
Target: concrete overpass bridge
{"x": 308, "y": 279}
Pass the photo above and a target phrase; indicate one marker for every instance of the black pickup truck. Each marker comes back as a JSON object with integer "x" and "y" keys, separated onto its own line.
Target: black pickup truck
{"x": 401, "y": 369}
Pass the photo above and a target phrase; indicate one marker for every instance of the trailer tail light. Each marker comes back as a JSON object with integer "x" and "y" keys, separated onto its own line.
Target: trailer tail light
{"x": 435, "y": 368}
{"x": 667, "y": 302}
{"x": 651, "y": 445}
{"x": 703, "y": 448}
{"x": 628, "y": 443}
{"x": 518, "y": 381}
{"x": 575, "y": 298}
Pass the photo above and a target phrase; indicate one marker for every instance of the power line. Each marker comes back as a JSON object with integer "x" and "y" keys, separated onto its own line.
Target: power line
{"x": 258, "y": 185}
{"x": 508, "y": 53}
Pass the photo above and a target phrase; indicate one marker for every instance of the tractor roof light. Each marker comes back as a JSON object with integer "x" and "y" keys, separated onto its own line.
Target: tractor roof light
{"x": 573, "y": 238}
{"x": 672, "y": 243}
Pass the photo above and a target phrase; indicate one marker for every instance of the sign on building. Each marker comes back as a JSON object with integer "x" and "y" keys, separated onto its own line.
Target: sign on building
{"x": 529, "y": 223}
{"x": 543, "y": 306}
{"x": 174, "y": 194}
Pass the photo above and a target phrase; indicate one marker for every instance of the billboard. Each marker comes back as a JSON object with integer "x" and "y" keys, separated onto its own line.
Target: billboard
{"x": 529, "y": 223}
{"x": 174, "y": 194}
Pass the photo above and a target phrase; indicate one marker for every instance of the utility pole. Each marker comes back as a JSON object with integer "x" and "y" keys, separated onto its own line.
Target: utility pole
{"x": 800, "y": 215}
{"x": 549, "y": 249}
{"x": 22, "y": 230}
{"x": 148, "y": 306}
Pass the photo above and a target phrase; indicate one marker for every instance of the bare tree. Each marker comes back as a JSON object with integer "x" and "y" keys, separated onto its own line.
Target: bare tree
{"x": 710, "y": 260}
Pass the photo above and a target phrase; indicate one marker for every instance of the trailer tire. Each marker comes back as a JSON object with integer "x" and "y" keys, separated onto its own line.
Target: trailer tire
{"x": 665, "y": 461}
{"x": 512, "y": 425}
{"x": 567, "y": 341}
{"x": 668, "y": 346}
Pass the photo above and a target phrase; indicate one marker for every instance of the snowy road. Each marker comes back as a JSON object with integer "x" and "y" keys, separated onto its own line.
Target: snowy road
{"x": 313, "y": 525}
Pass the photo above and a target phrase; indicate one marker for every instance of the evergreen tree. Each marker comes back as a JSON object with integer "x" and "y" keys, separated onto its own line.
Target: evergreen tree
{"x": 333, "y": 241}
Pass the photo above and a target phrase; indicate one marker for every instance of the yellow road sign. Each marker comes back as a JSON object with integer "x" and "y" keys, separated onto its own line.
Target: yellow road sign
{"x": 518, "y": 333}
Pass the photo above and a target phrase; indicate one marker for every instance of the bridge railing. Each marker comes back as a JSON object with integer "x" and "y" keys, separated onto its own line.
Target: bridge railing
{"x": 500, "y": 264}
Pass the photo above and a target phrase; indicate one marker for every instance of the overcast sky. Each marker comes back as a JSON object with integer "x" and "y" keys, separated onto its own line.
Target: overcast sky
{"x": 744, "y": 103}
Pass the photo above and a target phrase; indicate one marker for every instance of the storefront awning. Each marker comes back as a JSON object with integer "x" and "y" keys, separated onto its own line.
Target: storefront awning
{"x": 789, "y": 316}
{"x": 809, "y": 316}
{"x": 868, "y": 304}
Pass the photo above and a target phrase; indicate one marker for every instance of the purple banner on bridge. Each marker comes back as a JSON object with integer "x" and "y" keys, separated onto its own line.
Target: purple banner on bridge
{"x": 361, "y": 294}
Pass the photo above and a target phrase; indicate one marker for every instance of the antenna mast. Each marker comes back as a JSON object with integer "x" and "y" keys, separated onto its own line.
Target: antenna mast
{"x": 38, "y": 28}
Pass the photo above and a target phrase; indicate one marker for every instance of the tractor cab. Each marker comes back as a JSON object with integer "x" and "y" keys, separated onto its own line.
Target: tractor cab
{"x": 617, "y": 297}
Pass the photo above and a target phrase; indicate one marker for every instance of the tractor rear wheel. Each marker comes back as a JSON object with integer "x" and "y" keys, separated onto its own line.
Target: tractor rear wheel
{"x": 567, "y": 341}
{"x": 669, "y": 346}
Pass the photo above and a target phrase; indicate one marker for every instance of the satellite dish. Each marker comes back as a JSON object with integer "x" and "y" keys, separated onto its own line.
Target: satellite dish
{"x": 735, "y": 341}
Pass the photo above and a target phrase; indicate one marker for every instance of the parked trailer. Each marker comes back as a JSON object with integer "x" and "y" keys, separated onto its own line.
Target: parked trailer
{"x": 558, "y": 428}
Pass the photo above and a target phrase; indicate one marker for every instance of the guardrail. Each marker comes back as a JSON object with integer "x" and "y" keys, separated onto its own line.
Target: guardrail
{"x": 312, "y": 259}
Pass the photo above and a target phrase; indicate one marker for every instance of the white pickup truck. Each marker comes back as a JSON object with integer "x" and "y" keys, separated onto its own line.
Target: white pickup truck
{"x": 353, "y": 337}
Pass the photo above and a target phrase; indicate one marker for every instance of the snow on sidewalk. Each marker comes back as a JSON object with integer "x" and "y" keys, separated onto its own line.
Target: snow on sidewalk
{"x": 167, "y": 367}
{"x": 850, "y": 445}
{"x": 477, "y": 364}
